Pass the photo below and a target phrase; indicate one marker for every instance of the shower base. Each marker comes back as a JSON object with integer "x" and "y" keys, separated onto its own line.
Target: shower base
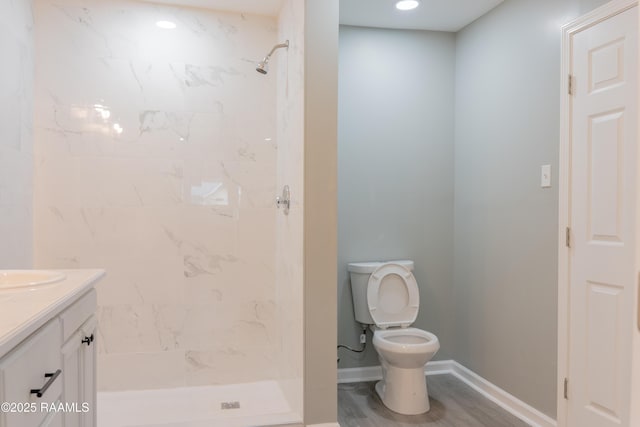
{"x": 259, "y": 404}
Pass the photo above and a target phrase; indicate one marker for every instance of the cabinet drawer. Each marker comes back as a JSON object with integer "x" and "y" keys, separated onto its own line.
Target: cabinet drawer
{"x": 24, "y": 370}
{"x": 73, "y": 317}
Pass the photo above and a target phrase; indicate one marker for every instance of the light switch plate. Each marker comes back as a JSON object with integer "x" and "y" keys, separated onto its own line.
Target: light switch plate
{"x": 545, "y": 176}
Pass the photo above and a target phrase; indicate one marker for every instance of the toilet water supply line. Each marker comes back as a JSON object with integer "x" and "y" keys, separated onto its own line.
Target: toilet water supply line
{"x": 363, "y": 341}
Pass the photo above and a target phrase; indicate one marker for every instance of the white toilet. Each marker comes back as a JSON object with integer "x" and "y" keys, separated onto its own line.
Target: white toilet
{"x": 385, "y": 294}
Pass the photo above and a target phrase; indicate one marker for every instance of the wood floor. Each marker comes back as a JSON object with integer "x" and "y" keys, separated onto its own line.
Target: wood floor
{"x": 453, "y": 404}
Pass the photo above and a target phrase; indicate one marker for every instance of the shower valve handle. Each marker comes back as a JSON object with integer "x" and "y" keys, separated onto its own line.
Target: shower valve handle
{"x": 284, "y": 201}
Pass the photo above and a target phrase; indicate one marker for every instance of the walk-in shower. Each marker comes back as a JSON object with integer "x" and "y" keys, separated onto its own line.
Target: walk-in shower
{"x": 200, "y": 314}
{"x": 263, "y": 66}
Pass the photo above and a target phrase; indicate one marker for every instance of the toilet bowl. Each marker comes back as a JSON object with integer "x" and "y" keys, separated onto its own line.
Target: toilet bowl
{"x": 386, "y": 297}
{"x": 403, "y": 354}
{"x": 406, "y": 348}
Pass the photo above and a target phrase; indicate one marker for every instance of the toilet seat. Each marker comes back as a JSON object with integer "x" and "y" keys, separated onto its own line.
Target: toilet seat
{"x": 392, "y": 296}
{"x": 407, "y": 341}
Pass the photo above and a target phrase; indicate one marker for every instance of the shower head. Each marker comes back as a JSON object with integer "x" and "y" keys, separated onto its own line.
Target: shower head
{"x": 263, "y": 66}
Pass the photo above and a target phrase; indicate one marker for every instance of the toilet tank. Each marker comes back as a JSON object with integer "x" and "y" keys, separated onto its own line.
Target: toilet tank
{"x": 360, "y": 273}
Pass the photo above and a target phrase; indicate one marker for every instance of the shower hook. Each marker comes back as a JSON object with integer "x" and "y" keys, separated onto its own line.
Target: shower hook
{"x": 284, "y": 200}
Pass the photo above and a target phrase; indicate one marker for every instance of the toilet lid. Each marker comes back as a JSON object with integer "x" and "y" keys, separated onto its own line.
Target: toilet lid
{"x": 392, "y": 296}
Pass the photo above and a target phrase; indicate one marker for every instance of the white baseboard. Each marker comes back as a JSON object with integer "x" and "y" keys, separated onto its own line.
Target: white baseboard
{"x": 358, "y": 375}
{"x": 374, "y": 373}
{"x": 324, "y": 425}
{"x": 438, "y": 367}
{"x": 506, "y": 401}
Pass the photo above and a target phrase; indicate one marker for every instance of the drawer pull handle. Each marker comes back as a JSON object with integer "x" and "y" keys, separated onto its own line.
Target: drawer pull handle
{"x": 87, "y": 340}
{"x": 52, "y": 377}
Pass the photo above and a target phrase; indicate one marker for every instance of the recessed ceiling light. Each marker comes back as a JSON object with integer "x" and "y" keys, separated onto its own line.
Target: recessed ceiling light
{"x": 166, "y": 25}
{"x": 407, "y": 4}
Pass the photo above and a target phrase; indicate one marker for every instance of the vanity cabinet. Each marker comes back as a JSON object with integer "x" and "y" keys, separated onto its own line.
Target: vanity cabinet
{"x": 50, "y": 377}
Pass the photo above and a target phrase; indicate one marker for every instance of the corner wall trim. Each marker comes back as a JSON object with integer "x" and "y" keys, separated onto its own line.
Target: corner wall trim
{"x": 506, "y": 401}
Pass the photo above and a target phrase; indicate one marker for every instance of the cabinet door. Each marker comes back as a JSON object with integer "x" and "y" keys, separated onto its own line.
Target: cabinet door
{"x": 72, "y": 386}
{"x": 55, "y": 420}
{"x": 79, "y": 389}
{"x": 89, "y": 354}
{"x": 34, "y": 365}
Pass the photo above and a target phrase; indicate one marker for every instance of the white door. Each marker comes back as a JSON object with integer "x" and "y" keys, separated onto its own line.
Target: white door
{"x": 603, "y": 219}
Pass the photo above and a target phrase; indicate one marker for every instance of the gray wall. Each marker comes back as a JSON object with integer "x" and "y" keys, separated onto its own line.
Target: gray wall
{"x": 395, "y": 169}
{"x": 491, "y": 298}
{"x": 320, "y": 210}
{"x": 507, "y": 126}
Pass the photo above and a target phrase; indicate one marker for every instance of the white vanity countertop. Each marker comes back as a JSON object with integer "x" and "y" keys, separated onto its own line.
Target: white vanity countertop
{"x": 22, "y": 312}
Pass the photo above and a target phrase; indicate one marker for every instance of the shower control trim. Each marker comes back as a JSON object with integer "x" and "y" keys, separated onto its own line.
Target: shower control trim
{"x": 284, "y": 201}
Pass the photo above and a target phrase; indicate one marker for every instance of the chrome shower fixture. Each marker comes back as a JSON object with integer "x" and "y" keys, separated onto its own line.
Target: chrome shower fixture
{"x": 263, "y": 66}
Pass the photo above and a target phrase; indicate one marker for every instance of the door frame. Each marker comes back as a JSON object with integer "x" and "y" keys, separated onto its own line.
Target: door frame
{"x": 569, "y": 30}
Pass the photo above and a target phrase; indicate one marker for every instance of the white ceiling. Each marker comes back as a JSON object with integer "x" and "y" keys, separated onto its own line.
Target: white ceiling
{"x": 437, "y": 15}
{"x": 259, "y": 7}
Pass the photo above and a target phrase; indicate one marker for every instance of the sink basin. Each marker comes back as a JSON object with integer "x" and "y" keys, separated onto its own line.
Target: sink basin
{"x": 15, "y": 279}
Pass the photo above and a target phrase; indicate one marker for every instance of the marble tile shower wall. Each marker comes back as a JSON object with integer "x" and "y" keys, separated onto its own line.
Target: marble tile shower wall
{"x": 16, "y": 136}
{"x": 289, "y": 242}
{"x": 155, "y": 158}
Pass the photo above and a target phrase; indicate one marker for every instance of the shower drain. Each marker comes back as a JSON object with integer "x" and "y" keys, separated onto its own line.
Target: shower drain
{"x": 230, "y": 405}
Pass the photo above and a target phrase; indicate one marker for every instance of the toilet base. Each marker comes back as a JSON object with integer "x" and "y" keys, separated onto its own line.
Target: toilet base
{"x": 404, "y": 390}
